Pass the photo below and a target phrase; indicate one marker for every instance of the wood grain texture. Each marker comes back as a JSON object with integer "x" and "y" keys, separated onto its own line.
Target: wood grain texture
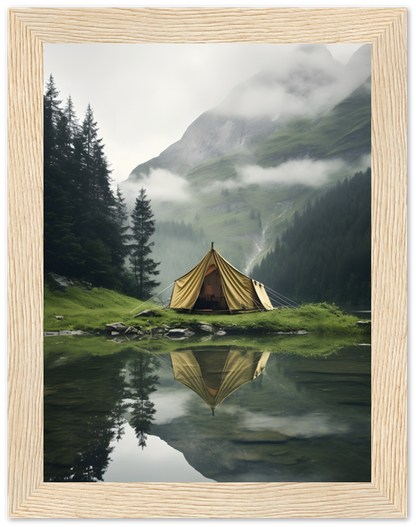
{"x": 385, "y": 496}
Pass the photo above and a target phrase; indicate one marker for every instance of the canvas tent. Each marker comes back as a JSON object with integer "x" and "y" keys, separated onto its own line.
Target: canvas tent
{"x": 215, "y": 285}
{"x": 215, "y": 373}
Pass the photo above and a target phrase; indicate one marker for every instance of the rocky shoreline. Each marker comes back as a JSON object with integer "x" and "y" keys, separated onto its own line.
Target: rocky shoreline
{"x": 120, "y": 332}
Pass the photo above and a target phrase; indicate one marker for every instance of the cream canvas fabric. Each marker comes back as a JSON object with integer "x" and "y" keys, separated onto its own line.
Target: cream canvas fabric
{"x": 241, "y": 293}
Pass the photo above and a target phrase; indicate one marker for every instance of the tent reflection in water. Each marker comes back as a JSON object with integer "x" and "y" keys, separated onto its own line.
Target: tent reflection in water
{"x": 215, "y": 373}
{"x": 215, "y": 285}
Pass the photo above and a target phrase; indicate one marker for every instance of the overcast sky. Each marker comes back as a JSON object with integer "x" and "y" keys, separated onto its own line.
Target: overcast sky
{"x": 144, "y": 96}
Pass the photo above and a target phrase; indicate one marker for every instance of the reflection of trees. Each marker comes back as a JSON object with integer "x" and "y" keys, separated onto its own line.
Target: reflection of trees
{"x": 83, "y": 414}
{"x": 91, "y": 464}
{"x": 142, "y": 384}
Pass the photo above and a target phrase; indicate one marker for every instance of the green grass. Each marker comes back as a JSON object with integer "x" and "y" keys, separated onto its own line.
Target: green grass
{"x": 85, "y": 310}
{"x": 329, "y": 328}
{"x": 92, "y": 310}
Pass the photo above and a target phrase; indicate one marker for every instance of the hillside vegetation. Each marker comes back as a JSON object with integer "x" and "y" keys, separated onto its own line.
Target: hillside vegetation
{"x": 91, "y": 310}
{"x": 326, "y": 253}
{"x": 222, "y": 204}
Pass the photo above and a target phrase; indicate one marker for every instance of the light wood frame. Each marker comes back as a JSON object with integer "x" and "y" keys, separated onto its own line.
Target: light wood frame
{"x": 385, "y": 496}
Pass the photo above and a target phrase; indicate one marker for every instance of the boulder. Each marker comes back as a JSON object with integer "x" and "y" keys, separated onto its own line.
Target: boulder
{"x": 59, "y": 317}
{"x": 206, "y": 327}
{"x": 61, "y": 282}
{"x": 221, "y": 333}
{"x": 116, "y": 326}
{"x": 113, "y": 333}
{"x": 179, "y": 334}
{"x": 131, "y": 329}
{"x": 302, "y": 332}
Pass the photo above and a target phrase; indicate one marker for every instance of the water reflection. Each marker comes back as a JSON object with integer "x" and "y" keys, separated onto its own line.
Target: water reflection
{"x": 214, "y": 374}
{"x": 142, "y": 383}
{"x": 283, "y": 417}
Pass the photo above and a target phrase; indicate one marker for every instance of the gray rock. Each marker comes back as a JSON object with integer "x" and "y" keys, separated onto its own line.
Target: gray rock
{"x": 221, "y": 333}
{"x": 50, "y": 333}
{"x": 179, "y": 334}
{"x": 131, "y": 329}
{"x": 61, "y": 281}
{"x": 116, "y": 326}
{"x": 302, "y": 332}
{"x": 364, "y": 323}
{"x": 113, "y": 333}
{"x": 59, "y": 317}
{"x": 206, "y": 327}
{"x": 208, "y": 337}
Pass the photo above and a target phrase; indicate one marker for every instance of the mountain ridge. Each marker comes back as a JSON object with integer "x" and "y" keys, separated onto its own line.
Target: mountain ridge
{"x": 243, "y": 178}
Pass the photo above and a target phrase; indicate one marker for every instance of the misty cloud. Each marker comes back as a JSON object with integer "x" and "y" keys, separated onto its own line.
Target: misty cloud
{"x": 305, "y": 172}
{"x": 160, "y": 184}
{"x": 304, "y": 80}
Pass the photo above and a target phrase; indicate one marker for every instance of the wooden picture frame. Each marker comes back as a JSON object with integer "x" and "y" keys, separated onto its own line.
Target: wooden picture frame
{"x": 29, "y": 496}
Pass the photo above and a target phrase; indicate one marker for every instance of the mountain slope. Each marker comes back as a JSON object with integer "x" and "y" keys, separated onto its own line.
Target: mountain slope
{"x": 326, "y": 254}
{"x": 311, "y": 82}
{"x": 282, "y": 138}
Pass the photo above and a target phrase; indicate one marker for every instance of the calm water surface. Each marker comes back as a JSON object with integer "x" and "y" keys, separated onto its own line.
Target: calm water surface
{"x": 222, "y": 412}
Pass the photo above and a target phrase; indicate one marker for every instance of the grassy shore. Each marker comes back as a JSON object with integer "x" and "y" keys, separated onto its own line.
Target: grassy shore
{"x": 91, "y": 310}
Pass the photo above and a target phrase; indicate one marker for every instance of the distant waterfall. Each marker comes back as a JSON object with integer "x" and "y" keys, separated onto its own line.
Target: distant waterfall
{"x": 258, "y": 247}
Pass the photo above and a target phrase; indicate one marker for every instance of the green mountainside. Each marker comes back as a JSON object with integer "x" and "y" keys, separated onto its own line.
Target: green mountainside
{"x": 244, "y": 220}
{"x": 326, "y": 253}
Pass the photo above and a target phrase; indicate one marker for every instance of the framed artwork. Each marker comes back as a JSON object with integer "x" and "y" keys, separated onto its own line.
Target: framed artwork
{"x": 385, "y": 30}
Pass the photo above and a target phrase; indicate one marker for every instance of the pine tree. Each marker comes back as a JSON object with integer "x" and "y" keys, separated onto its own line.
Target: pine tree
{"x": 51, "y": 116}
{"x": 143, "y": 227}
{"x": 326, "y": 253}
{"x": 84, "y": 236}
{"x": 61, "y": 246}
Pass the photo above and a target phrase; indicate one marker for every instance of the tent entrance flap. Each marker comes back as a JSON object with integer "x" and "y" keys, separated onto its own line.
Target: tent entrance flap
{"x": 211, "y": 295}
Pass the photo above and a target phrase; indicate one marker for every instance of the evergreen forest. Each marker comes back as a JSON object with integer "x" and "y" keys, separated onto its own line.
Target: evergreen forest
{"x": 325, "y": 255}
{"x": 88, "y": 233}
{"x": 86, "y": 223}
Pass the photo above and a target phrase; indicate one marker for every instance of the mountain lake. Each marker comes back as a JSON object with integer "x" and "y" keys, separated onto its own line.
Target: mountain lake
{"x": 214, "y": 411}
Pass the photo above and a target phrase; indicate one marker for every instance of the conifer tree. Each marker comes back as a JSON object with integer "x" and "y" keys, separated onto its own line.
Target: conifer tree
{"x": 51, "y": 116}
{"x": 84, "y": 238}
{"x": 143, "y": 227}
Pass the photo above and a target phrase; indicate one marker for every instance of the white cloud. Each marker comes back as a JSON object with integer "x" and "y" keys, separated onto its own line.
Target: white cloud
{"x": 160, "y": 184}
{"x": 144, "y": 96}
{"x": 304, "y": 171}
{"x": 303, "y": 80}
